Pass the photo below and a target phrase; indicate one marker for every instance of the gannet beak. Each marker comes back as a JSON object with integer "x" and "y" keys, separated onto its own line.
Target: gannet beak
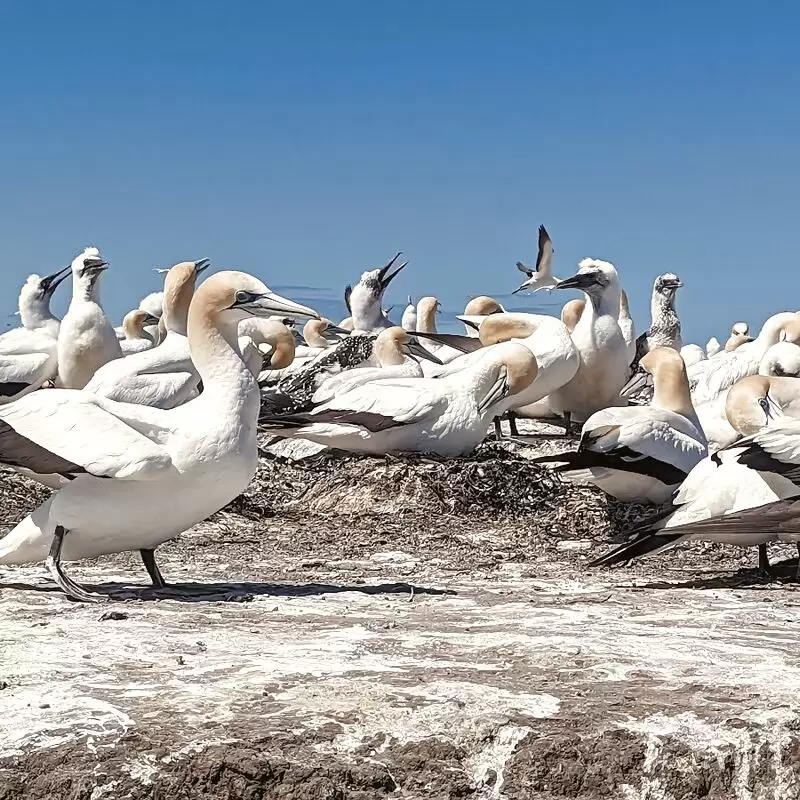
{"x": 583, "y": 280}
{"x": 416, "y": 349}
{"x": 384, "y": 277}
{"x": 269, "y": 303}
{"x": 95, "y": 266}
{"x": 50, "y": 282}
{"x": 201, "y": 265}
{"x": 336, "y": 329}
{"x": 150, "y": 319}
{"x": 521, "y": 288}
{"x": 639, "y": 380}
{"x": 496, "y": 393}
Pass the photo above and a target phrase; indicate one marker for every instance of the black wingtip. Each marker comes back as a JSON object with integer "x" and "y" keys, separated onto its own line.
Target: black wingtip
{"x": 642, "y": 546}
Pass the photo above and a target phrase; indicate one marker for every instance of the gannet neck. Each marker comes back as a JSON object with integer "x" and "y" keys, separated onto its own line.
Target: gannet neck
{"x": 746, "y": 404}
{"x": 34, "y": 308}
{"x": 670, "y": 382}
{"x": 312, "y": 332}
{"x": 497, "y": 328}
{"x": 86, "y": 289}
{"x": 771, "y": 330}
{"x": 571, "y": 313}
{"x": 178, "y": 292}
{"x": 624, "y": 311}
{"x": 781, "y": 360}
{"x": 426, "y": 314}
{"x": 388, "y": 349}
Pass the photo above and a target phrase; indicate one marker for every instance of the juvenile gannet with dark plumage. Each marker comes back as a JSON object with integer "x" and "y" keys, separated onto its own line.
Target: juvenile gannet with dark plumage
{"x": 603, "y": 367}
{"x": 641, "y": 453}
{"x": 28, "y": 354}
{"x": 665, "y": 326}
{"x": 138, "y": 476}
{"x": 447, "y": 416}
{"x": 86, "y": 338}
{"x": 364, "y": 299}
{"x": 541, "y": 276}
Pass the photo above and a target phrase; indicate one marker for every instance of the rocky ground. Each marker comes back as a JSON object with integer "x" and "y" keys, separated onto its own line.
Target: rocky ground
{"x": 411, "y": 628}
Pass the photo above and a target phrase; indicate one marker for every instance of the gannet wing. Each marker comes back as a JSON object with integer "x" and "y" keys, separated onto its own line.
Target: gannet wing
{"x": 544, "y": 258}
{"x": 18, "y": 372}
{"x": 527, "y": 270}
{"x": 61, "y": 431}
{"x": 17, "y": 342}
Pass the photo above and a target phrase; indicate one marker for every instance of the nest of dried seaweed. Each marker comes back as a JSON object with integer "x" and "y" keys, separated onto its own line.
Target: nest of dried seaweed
{"x": 18, "y": 497}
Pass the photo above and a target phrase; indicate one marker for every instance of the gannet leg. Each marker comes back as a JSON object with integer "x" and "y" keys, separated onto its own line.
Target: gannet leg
{"x": 498, "y": 431}
{"x": 567, "y": 423}
{"x": 149, "y": 560}
{"x": 67, "y": 585}
{"x": 797, "y": 571}
{"x": 763, "y": 559}
{"x": 512, "y": 423}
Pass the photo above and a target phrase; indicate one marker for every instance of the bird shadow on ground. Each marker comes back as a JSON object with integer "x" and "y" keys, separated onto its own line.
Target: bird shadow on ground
{"x": 783, "y": 576}
{"x": 235, "y": 592}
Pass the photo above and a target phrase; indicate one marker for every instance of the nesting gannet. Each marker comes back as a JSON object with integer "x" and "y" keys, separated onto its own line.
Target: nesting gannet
{"x": 541, "y": 276}
{"x": 257, "y": 332}
{"x": 28, "y": 355}
{"x": 153, "y": 304}
{"x": 447, "y": 416}
{"x": 665, "y": 327}
{"x": 476, "y": 309}
{"x": 164, "y": 376}
{"x": 137, "y": 338}
{"x": 427, "y": 309}
{"x": 408, "y": 321}
{"x": 86, "y": 339}
{"x": 739, "y": 336}
{"x": 364, "y": 299}
{"x": 641, "y": 453}
{"x": 139, "y": 476}
{"x": 626, "y": 326}
{"x": 692, "y": 354}
{"x": 712, "y": 347}
{"x": 603, "y": 367}
{"x": 718, "y": 500}
{"x": 710, "y": 378}
{"x": 396, "y": 354}
{"x": 571, "y": 312}
{"x": 319, "y": 335}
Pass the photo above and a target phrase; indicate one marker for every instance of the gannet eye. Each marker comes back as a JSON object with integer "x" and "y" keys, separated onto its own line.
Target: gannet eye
{"x": 243, "y": 297}
{"x": 764, "y": 403}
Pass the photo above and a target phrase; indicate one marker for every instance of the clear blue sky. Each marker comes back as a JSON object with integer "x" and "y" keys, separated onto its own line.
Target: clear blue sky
{"x": 307, "y": 141}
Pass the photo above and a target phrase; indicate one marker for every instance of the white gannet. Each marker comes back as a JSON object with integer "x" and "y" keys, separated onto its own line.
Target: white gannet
{"x": 708, "y": 379}
{"x": 718, "y": 500}
{"x": 137, "y": 338}
{"x": 164, "y": 376}
{"x": 665, "y": 327}
{"x": 257, "y": 332}
{"x": 346, "y": 324}
{"x": 394, "y": 351}
{"x": 408, "y": 321}
{"x": 626, "y": 326}
{"x": 153, "y": 304}
{"x": 477, "y": 308}
{"x": 319, "y": 335}
{"x": 28, "y": 354}
{"x": 541, "y": 276}
{"x": 447, "y": 416}
{"x": 712, "y": 347}
{"x": 692, "y": 354}
{"x": 139, "y": 476}
{"x": 641, "y": 453}
{"x": 86, "y": 339}
{"x": 740, "y": 334}
{"x": 427, "y": 309}
{"x": 364, "y": 299}
{"x": 571, "y": 312}
{"x": 603, "y": 367}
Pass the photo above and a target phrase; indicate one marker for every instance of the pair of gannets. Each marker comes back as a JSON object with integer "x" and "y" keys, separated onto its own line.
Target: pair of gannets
{"x": 447, "y": 416}
{"x": 641, "y": 453}
{"x": 28, "y": 354}
{"x": 139, "y": 476}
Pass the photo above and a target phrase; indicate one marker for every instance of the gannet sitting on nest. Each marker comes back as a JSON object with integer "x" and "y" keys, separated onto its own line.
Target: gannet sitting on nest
{"x": 86, "y": 339}
{"x": 447, "y": 416}
{"x": 641, "y": 453}
{"x": 139, "y": 476}
{"x": 541, "y": 276}
{"x": 28, "y": 355}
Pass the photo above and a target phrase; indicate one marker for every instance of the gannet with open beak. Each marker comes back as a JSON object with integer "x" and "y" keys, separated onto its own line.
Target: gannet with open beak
{"x": 446, "y": 416}
{"x": 364, "y": 299}
{"x": 641, "y": 454}
{"x": 86, "y": 338}
{"x": 541, "y": 276}
{"x": 138, "y": 476}
{"x": 164, "y": 376}
{"x": 28, "y": 354}
{"x": 137, "y": 338}
{"x": 665, "y": 326}
{"x": 740, "y": 334}
{"x": 603, "y": 367}
{"x": 737, "y": 496}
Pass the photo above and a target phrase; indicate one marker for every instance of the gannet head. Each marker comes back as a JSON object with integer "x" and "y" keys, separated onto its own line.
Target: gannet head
{"x": 740, "y": 329}
{"x": 392, "y": 344}
{"x": 89, "y": 264}
{"x": 377, "y": 280}
{"x": 748, "y": 405}
{"x": 428, "y": 306}
{"x": 41, "y": 289}
{"x": 275, "y": 333}
{"x": 498, "y": 328}
{"x": 513, "y": 370}
{"x": 667, "y": 284}
{"x": 135, "y": 322}
{"x": 660, "y": 361}
{"x": 781, "y": 360}
{"x": 594, "y": 277}
{"x": 483, "y": 306}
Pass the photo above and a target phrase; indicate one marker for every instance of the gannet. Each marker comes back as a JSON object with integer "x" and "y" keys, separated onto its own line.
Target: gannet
{"x": 710, "y": 378}
{"x": 571, "y": 312}
{"x": 541, "y": 276}
{"x": 164, "y": 376}
{"x": 86, "y": 339}
{"x": 712, "y": 347}
{"x": 153, "y": 304}
{"x": 319, "y": 335}
{"x": 346, "y": 324}
{"x": 394, "y": 351}
{"x": 139, "y": 476}
{"x": 665, "y": 327}
{"x": 364, "y": 299}
{"x": 718, "y": 500}
{"x": 447, "y": 416}
{"x": 28, "y": 354}
{"x": 408, "y": 321}
{"x": 427, "y": 309}
{"x": 627, "y": 327}
{"x": 255, "y": 333}
{"x": 692, "y": 354}
{"x": 137, "y": 338}
{"x": 641, "y": 453}
{"x": 477, "y": 308}
{"x": 739, "y": 336}
{"x": 603, "y": 367}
